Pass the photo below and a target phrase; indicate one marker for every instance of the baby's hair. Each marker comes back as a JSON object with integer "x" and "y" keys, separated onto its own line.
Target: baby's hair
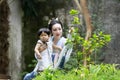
{"x": 45, "y": 30}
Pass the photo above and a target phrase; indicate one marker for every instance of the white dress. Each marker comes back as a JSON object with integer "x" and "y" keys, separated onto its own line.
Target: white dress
{"x": 66, "y": 50}
{"x": 46, "y": 61}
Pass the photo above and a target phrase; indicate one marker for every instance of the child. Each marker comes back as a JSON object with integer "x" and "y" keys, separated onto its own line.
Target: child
{"x": 43, "y": 52}
{"x": 40, "y": 48}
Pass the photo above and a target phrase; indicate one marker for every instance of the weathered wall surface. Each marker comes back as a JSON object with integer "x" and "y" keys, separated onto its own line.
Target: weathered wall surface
{"x": 108, "y": 14}
{"x": 112, "y": 25}
{"x": 15, "y": 39}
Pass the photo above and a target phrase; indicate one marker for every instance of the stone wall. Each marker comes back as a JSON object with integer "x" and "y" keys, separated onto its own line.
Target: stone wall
{"x": 15, "y": 39}
{"x": 108, "y": 17}
{"x": 112, "y": 26}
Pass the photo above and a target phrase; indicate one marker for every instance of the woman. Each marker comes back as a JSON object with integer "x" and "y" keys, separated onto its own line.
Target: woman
{"x": 57, "y": 39}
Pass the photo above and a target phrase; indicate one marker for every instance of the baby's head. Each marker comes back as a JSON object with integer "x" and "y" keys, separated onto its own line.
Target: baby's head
{"x": 44, "y": 34}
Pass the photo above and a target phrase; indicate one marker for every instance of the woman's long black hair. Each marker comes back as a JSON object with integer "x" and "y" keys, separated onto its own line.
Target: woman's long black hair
{"x": 52, "y": 22}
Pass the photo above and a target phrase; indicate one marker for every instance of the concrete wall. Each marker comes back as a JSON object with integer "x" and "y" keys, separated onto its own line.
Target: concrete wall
{"x": 112, "y": 25}
{"x": 108, "y": 15}
{"x": 15, "y": 39}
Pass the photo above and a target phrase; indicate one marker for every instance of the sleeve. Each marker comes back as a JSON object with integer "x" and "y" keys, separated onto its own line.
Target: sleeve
{"x": 63, "y": 42}
{"x": 39, "y": 41}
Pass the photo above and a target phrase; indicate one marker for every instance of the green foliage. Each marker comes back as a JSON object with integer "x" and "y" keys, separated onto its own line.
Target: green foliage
{"x": 33, "y": 64}
{"x": 94, "y": 72}
{"x": 97, "y": 40}
{"x": 73, "y": 12}
{"x": 71, "y": 64}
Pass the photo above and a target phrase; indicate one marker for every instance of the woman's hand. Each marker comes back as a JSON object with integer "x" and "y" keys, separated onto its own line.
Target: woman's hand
{"x": 42, "y": 48}
{"x": 39, "y": 56}
{"x": 57, "y": 47}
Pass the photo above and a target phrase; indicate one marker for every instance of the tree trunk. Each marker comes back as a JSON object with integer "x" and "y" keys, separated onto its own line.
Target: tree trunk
{"x": 82, "y": 6}
{"x": 87, "y": 19}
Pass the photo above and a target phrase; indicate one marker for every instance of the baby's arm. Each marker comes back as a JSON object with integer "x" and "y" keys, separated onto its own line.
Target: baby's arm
{"x": 37, "y": 50}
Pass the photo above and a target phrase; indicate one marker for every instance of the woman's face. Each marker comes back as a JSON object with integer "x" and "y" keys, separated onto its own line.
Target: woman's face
{"x": 57, "y": 30}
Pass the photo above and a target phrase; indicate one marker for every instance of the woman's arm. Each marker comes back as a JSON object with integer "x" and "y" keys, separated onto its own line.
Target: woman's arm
{"x": 57, "y": 47}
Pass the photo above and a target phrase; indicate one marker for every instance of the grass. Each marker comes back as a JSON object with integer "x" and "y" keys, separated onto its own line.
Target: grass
{"x": 94, "y": 72}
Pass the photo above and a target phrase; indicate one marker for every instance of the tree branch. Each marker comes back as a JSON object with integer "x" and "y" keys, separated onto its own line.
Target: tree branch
{"x": 78, "y": 5}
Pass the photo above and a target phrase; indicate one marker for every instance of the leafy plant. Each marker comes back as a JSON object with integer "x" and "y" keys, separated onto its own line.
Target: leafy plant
{"x": 97, "y": 40}
{"x": 94, "y": 72}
